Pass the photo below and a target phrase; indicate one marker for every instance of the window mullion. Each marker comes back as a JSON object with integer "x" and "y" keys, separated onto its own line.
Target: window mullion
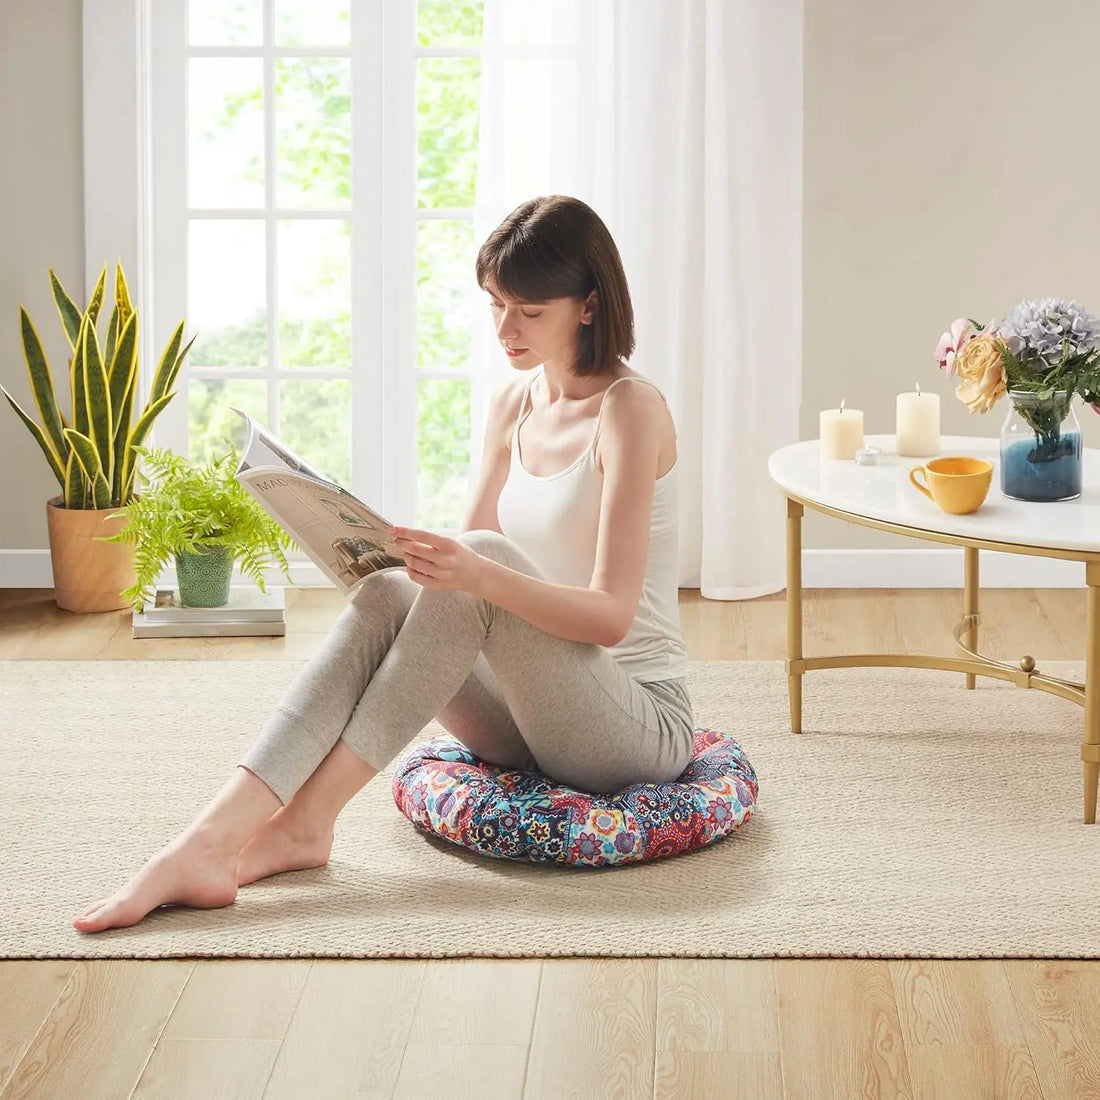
{"x": 168, "y": 169}
{"x": 274, "y": 410}
{"x": 368, "y": 413}
{"x": 399, "y": 172}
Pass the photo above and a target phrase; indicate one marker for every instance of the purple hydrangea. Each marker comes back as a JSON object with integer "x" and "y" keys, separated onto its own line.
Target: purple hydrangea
{"x": 1039, "y": 329}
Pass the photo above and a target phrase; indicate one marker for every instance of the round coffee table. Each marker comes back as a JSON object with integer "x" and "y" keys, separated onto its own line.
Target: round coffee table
{"x": 881, "y": 497}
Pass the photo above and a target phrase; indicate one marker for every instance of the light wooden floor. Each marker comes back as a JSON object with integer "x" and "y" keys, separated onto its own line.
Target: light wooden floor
{"x": 616, "y": 1029}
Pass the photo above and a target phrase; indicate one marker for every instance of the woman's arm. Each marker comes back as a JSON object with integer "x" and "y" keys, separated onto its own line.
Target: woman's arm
{"x": 496, "y": 455}
{"x": 602, "y": 612}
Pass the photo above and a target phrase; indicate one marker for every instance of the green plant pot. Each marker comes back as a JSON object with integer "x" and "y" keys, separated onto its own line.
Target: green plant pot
{"x": 203, "y": 579}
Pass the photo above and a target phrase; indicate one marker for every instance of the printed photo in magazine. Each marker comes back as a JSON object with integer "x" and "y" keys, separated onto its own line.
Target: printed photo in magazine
{"x": 345, "y": 539}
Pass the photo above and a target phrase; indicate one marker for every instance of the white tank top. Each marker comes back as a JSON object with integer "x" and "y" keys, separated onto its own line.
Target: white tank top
{"x": 555, "y": 520}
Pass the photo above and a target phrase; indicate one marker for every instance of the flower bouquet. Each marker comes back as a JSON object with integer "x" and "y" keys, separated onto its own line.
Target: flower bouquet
{"x": 1042, "y": 354}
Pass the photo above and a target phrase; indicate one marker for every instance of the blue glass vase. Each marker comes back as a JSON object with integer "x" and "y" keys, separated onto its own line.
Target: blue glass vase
{"x": 1041, "y": 448}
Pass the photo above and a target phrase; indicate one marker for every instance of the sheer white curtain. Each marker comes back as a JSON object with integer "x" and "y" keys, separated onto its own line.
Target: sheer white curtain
{"x": 680, "y": 123}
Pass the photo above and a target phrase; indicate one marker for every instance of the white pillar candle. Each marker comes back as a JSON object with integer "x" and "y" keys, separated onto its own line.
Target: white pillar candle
{"x": 918, "y": 423}
{"x": 841, "y": 432}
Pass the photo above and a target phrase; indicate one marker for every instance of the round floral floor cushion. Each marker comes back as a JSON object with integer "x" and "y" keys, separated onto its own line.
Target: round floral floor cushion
{"x": 443, "y": 789}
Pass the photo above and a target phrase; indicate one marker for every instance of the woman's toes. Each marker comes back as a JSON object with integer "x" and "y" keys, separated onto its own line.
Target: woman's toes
{"x": 181, "y": 874}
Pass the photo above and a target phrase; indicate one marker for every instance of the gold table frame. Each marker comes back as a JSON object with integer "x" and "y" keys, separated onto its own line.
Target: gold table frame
{"x": 1023, "y": 674}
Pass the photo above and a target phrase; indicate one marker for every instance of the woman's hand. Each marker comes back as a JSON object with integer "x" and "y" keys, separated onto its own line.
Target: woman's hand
{"x": 436, "y": 561}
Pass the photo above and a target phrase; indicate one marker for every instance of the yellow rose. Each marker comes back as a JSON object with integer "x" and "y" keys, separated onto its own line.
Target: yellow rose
{"x": 981, "y": 374}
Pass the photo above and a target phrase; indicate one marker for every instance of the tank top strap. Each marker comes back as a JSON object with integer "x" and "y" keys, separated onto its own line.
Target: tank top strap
{"x": 603, "y": 402}
{"x": 521, "y": 414}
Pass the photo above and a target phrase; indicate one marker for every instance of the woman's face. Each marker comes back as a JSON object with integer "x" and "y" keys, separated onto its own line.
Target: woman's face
{"x": 538, "y": 332}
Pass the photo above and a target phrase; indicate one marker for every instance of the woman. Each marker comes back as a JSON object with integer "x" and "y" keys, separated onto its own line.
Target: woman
{"x": 546, "y": 636}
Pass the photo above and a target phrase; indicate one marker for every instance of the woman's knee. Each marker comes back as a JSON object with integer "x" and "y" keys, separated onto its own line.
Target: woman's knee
{"x": 494, "y": 545}
{"x": 387, "y": 592}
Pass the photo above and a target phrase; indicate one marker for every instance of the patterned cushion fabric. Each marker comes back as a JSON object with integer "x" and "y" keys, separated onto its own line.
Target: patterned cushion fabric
{"x": 442, "y": 788}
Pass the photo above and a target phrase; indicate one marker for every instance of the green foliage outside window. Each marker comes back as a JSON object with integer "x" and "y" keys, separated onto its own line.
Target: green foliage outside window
{"x": 312, "y": 102}
{"x": 449, "y": 22}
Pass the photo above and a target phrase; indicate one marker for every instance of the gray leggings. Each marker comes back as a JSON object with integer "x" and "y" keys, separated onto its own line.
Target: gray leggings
{"x": 401, "y": 655}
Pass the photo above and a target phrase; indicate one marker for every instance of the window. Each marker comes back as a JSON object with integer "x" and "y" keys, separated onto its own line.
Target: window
{"x": 314, "y": 164}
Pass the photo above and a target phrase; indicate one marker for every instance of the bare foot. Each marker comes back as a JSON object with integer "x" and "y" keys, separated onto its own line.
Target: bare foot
{"x": 282, "y": 844}
{"x": 184, "y": 872}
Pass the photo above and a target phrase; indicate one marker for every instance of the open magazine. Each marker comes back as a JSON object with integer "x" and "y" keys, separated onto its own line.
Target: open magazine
{"x": 346, "y": 540}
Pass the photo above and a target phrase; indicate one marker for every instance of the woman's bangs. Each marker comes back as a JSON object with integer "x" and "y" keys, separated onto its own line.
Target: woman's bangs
{"x": 522, "y": 271}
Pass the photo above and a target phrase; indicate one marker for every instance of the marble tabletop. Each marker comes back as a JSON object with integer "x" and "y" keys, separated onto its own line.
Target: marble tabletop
{"x": 883, "y": 492}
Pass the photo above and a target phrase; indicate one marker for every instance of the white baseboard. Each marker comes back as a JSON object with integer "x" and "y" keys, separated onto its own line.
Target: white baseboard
{"x": 934, "y": 569}
{"x": 32, "y": 569}
{"x": 25, "y": 569}
{"x": 820, "y": 569}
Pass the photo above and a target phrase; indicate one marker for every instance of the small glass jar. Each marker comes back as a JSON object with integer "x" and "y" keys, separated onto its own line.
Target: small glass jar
{"x": 1041, "y": 448}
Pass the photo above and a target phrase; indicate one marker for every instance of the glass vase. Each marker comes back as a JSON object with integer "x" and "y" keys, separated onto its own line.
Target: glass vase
{"x": 1041, "y": 448}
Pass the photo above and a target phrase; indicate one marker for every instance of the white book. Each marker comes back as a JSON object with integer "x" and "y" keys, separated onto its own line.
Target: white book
{"x": 224, "y": 629}
{"x": 246, "y": 603}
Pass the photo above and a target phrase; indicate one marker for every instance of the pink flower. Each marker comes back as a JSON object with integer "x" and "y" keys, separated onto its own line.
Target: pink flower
{"x": 951, "y": 343}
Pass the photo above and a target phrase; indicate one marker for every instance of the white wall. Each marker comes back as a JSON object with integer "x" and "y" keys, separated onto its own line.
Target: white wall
{"x": 950, "y": 169}
{"x": 41, "y": 226}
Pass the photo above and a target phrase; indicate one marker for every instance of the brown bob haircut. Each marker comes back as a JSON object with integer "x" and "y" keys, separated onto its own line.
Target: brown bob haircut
{"x": 558, "y": 247}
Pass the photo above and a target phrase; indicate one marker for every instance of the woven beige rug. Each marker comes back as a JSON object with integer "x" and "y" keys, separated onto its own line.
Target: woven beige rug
{"x": 913, "y": 818}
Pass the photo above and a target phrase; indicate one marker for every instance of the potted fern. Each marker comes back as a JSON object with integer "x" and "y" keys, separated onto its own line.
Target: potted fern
{"x": 92, "y": 451}
{"x": 201, "y": 516}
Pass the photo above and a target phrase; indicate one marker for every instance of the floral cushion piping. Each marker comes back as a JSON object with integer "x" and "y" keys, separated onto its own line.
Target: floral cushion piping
{"x": 443, "y": 789}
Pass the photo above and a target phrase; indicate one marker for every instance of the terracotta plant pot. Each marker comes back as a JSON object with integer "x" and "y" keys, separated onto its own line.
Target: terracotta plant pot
{"x": 87, "y": 575}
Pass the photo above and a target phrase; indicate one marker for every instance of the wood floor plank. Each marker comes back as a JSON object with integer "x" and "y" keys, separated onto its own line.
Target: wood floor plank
{"x": 944, "y": 1002}
{"x": 839, "y": 1031}
{"x": 239, "y": 999}
{"x": 701, "y": 1005}
{"x": 461, "y": 1072}
{"x": 962, "y": 1030}
{"x": 717, "y": 630}
{"x": 595, "y": 1030}
{"x": 30, "y": 989}
{"x": 100, "y": 1032}
{"x": 1059, "y": 1008}
{"x": 490, "y": 1002}
{"x": 1013, "y": 622}
{"x": 208, "y": 1069}
{"x": 974, "y": 1073}
{"x": 706, "y": 1075}
{"x": 36, "y": 629}
{"x": 843, "y": 622}
{"x": 1066, "y": 611}
{"x": 350, "y": 1030}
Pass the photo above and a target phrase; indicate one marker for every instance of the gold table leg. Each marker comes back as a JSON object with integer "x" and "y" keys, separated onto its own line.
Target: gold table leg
{"x": 794, "y": 612}
{"x": 1090, "y": 748}
{"x": 970, "y": 602}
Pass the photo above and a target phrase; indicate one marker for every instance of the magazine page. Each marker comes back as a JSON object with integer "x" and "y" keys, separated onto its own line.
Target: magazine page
{"x": 263, "y": 449}
{"x": 344, "y": 538}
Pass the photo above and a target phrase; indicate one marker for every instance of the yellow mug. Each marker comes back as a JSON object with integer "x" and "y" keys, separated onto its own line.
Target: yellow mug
{"x": 957, "y": 484}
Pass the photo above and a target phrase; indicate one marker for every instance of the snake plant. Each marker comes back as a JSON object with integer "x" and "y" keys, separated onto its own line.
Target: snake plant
{"x": 93, "y": 452}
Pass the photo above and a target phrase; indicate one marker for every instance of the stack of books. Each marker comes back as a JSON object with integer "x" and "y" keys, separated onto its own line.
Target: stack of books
{"x": 247, "y": 612}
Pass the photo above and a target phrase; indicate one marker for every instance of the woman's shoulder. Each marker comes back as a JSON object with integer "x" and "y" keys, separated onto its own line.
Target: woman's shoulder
{"x": 638, "y": 414}
{"x": 506, "y": 398}
{"x": 642, "y": 396}
{"x": 504, "y": 405}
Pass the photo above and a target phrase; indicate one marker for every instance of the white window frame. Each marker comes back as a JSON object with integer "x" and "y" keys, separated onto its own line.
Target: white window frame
{"x": 133, "y": 203}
